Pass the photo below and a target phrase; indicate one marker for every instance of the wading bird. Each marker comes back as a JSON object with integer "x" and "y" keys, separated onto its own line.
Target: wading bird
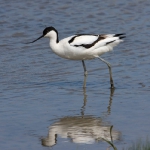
{"x": 82, "y": 47}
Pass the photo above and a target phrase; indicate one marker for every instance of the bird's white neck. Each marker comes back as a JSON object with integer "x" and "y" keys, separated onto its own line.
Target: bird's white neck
{"x": 54, "y": 43}
{"x": 53, "y": 40}
{"x": 53, "y": 35}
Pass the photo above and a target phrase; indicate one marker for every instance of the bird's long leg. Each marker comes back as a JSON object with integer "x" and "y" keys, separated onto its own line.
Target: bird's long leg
{"x": 85, "y": 74}
{"x": 109, "y": 67}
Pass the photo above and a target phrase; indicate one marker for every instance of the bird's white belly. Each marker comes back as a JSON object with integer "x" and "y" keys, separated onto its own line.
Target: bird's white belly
{"x": 79, "y": 53}
{"x": 72, "y": 53}
{"x": 85, "y": 54}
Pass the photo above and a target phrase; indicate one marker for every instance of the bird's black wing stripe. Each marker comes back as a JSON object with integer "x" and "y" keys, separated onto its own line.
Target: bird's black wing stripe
{"x": 84, "y": 45}
{"x": 88, "y": 45}
{"x": 72, "y": 39}
{"x": 121, "y": 36}
{"x": 110, "y": 42}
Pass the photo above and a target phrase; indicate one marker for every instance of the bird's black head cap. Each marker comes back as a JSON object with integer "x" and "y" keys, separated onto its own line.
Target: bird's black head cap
{"x": 48, "y": 29}
{"x": 45, "y": 31}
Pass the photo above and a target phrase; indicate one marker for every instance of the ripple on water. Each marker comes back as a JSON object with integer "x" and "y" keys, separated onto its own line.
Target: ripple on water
{"x": 40, "y": 90}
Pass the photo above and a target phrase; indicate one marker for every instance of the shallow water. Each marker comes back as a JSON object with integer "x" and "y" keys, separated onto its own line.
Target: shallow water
{"x": 42, "y": 103}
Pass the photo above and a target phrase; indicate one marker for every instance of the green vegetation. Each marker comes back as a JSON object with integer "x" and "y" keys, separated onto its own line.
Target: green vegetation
{"x": 140, "y": 145}
{"x": 110, "y": 142}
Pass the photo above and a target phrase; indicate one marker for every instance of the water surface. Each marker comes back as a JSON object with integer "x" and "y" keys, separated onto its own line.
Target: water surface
{"x": 41, "y": 95}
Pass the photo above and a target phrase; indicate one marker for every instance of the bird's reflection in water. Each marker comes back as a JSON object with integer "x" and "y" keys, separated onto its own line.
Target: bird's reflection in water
{"x": 81, "y": 129}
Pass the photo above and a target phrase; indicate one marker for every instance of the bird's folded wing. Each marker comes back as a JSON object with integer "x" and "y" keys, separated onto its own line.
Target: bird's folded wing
{"x": 88, "y": 41}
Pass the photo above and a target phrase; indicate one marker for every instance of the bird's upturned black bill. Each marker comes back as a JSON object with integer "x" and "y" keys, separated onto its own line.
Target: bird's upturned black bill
{"x": 35, "y": 40}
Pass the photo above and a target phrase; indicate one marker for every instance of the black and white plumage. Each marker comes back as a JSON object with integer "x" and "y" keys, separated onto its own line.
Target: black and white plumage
{"x": 82, "y": 46}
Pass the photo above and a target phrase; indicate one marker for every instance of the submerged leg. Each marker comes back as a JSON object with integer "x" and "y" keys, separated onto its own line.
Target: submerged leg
{"x": 109, "y": 67}
{"x": 85, "y": 74}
